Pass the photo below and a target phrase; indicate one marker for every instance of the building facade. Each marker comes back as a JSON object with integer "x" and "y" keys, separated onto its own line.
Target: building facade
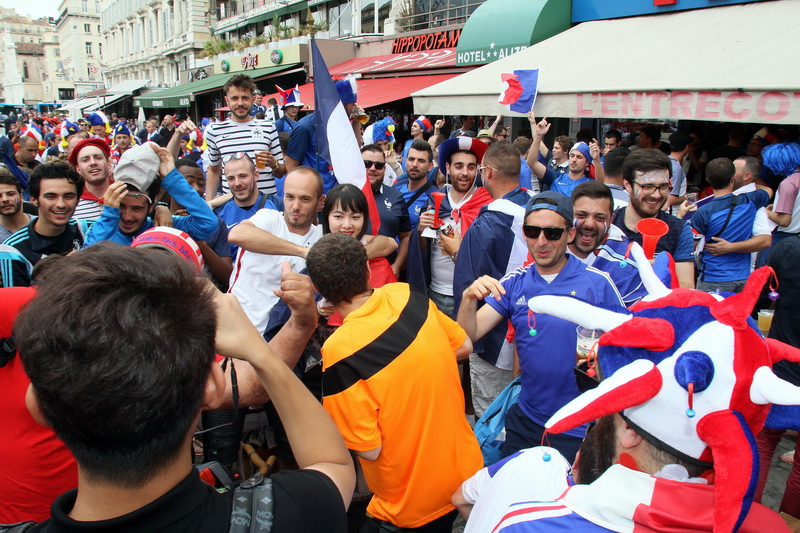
{"x": 81, "y": 46}
{"x": 30, "y": 49}
{"x": 152, "y": 39}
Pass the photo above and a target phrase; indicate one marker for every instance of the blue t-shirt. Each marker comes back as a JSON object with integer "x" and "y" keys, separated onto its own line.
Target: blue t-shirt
{"x": 420, "y": 204}
{"x": 547, "y": 358}
{"x": 303, "y": 148}
{"x": 393, "y": 212}
{"x": 561, "y": 182}
{"x": 709, "y": 220}
{"x": 285, "y": 124}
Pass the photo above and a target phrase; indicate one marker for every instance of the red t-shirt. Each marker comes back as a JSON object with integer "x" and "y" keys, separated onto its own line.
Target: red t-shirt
{"x": 35, "y": 466}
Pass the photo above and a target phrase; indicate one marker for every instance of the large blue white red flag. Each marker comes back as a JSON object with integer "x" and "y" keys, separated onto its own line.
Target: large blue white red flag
{"x": 518, "y": 92}
{"x": 336, "y": 141}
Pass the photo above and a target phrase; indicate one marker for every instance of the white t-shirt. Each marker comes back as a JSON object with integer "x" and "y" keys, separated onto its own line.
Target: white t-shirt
{"x": 255, "y": 275}
{"x": 761, "y": 224}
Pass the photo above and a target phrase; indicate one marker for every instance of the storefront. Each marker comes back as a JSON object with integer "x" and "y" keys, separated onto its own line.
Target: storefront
{"x": 621, "y": 68}
{"x": 203, "y": 93}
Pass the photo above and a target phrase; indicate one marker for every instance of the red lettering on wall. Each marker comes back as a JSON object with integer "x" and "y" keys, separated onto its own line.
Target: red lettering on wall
{"x": 427, "y": 41}
{"x": 764, "y": 101}
{"x": 609, "y": 103}
{"x": 728, "y": 106}
{"x": 707, "y": 104}
{"x": 680, "y": 104}
{"x": 582, "y": 111}
{"x": 655, "y": 106}
{"x": 631, "y": 106}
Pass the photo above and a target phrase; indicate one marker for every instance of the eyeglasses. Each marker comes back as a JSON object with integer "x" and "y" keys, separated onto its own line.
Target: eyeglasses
{"x": 377, "y": 164}
{"x": 236, "y": 156}
{"x": 649, "y": 189}
{"x": 481, "y": 167}
{"x": 551, "y": 234}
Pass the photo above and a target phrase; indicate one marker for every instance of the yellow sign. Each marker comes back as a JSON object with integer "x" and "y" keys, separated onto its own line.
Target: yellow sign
{"x": 267, "y": 58}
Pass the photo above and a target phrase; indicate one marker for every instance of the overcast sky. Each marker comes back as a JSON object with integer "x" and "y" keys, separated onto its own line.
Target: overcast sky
{"x": 34, "y": 8}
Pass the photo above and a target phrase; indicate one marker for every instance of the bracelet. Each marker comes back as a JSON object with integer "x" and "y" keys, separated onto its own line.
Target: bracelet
{"x": 454, "y": 256}
{"x": 165, "y": 204}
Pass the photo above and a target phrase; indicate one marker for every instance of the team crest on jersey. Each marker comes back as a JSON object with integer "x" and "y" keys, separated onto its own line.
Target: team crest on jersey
{"x": 257, "y": 133}
{"x": 388, "y": 204}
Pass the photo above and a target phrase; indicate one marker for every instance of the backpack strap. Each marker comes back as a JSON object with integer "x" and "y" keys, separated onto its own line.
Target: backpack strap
{"x": 262, "y": 200}
{"x": 419, "y": 192}
{"x": 734, "y": 203}
{"x": 253, "y": 506}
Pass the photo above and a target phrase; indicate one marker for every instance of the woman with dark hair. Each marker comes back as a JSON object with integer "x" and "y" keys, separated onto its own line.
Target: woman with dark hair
{"x": 346, "y": 211}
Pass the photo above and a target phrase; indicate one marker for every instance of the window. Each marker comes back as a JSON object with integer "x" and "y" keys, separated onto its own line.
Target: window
{"x": 88, "y": 48}
{"x": 100, "y": 49}
{"x": 85, "y": 6}
{"x": 89, "y": 71}
{"x": 98, "y": 29}
{"x": 58, "y": 52}
{"x": 87, "y": 28}
{"x": 25, "y": 70}
{"x": 97, "y": 6}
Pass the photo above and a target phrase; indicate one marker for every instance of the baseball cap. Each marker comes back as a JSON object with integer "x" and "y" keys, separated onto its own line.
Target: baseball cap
{"x": 554, "y": 201}
{"x": 138, "y": 167}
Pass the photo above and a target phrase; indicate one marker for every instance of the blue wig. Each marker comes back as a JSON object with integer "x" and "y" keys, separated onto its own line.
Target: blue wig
{"x": 782, "y": 159}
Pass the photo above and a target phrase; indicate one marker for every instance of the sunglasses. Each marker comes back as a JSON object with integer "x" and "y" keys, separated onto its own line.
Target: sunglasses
{"x": 551, "y": 234}
{"x": 236, "y": 156}
{"x": 377, "y": 164}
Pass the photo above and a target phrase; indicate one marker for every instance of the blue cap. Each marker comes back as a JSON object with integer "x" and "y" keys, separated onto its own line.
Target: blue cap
{"x": 555, "y": 201}
{"x": 122, "y": 129}
{"x": 583, "y": 148}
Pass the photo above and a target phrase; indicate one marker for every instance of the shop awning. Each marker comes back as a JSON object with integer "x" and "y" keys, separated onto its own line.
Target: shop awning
{"x": 79, "y": 104}
{"x": 715, "y": 75}
{"x": 499, "y": 28}
{"x": 102, "y": 102}
{"x": 127, "y": 86}
{"x": 180, "y": 96}
{"x": 411, "y": 61}
{"x": 378, "y": 91}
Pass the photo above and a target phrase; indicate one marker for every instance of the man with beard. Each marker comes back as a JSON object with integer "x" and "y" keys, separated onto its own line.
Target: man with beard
{"x": 436, "y": 249}
{"x": 122, "y": 142}
{"x": 127, "y": 201}
{"x": 545, "y": 344}
{"x": 25, "y": 156}
{"x": 417, "y": 189}
{"x": 90, "y": 157}
{"x": 270, "y": 238}
{"x": 647, "y": 180}
{"x": 243, "y": 133}
{"x": 391, "y": 206}
{"x": 12, "y": 217}
{"x": 602, "y": 245}
{"x": 55, "y": 189}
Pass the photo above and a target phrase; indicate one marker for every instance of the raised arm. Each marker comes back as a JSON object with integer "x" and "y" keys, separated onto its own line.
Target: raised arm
{"x": 315, "y": 441}
{"x": 246, "y": 235}
{"x": 540, "y": 129}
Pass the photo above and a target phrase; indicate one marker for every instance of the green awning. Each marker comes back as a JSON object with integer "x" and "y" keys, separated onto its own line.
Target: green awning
{"x": 181, "y": 96}
{"x": 522, "y": 23}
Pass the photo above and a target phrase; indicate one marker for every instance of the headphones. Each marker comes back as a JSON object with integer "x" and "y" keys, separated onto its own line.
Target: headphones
{"x": 8, "y": 349}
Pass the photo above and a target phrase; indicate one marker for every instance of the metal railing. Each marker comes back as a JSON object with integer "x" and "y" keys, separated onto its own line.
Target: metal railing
{"x": 454, "y": 12}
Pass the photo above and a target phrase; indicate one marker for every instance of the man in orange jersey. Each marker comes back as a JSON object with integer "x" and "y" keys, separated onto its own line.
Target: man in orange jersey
{"x": 390, "y": 382}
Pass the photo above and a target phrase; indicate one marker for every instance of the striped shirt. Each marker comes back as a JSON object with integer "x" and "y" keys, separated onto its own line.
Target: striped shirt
{"x": 88, "y": 209}
{"x": 228, "y": 137}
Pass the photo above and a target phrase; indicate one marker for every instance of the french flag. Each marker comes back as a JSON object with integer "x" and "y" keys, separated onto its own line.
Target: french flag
{"x": 336, "y": 141}
{"x": 519, "y": 88}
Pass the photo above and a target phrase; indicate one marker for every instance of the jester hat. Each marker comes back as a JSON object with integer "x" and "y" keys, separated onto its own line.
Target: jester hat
{"x": 98, "y": 118}
{"x": 290, "y": 97}
{"x": 692, "y": 374}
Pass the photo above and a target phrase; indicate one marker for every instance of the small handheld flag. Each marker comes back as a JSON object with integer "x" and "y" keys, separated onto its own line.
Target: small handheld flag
{"x": 518, "y": 92}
